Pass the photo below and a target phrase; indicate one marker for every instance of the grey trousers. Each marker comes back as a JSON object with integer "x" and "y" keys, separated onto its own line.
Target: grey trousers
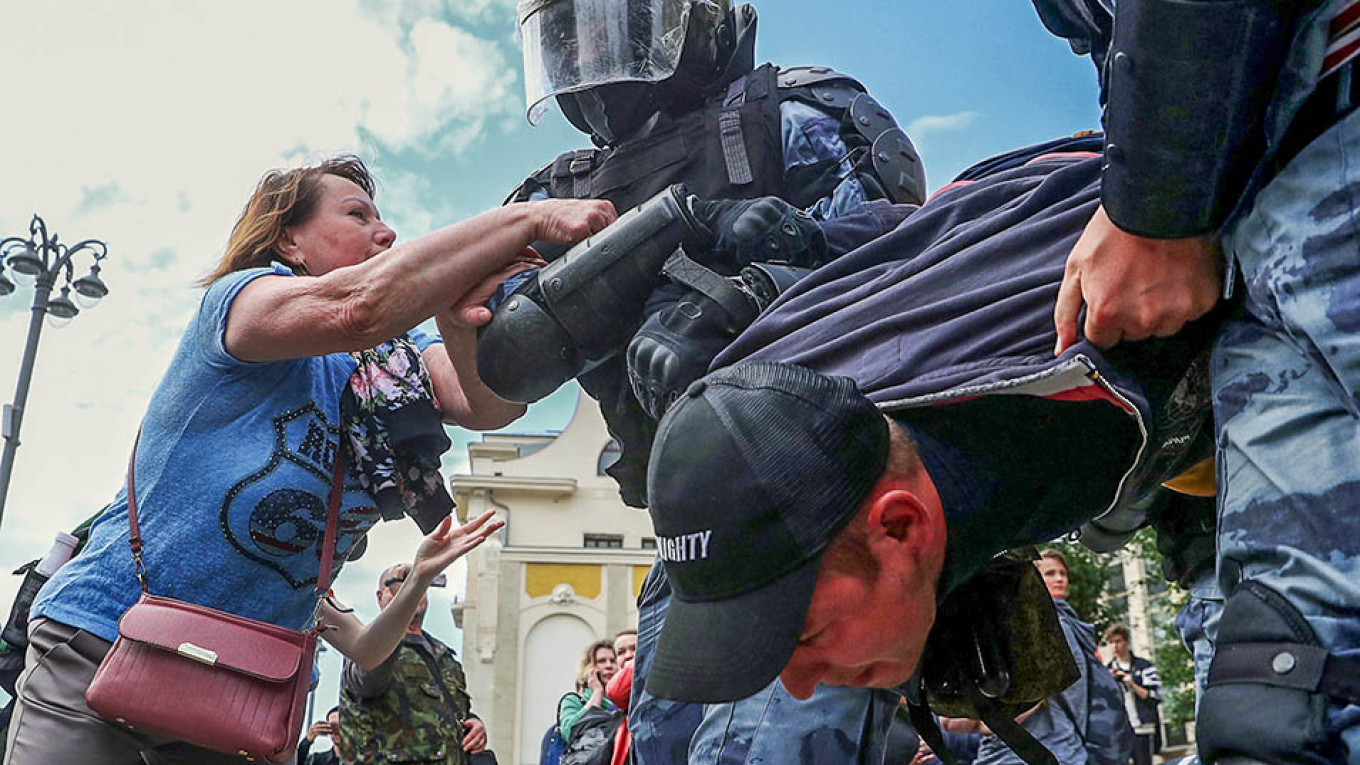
{"x": 53, "y": 726}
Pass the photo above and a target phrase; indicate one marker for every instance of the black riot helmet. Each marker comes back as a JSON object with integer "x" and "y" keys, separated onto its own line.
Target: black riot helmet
{"x": 612, "y": 64}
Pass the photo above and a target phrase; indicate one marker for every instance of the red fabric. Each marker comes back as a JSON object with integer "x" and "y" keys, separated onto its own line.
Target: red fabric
{"x": 623, "y": 741}
{"x": 620, "y": 687}
{"x": 620, "y": 691}
{"x": 146, "y": 683}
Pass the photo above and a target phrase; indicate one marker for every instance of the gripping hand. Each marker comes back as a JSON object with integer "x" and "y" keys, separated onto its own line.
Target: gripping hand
{"x": 673, "y": 349}
{"x": 762, "y": 230}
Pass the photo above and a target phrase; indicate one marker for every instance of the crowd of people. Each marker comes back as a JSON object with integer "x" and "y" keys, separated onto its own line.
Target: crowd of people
{"x": 849, "y": 409}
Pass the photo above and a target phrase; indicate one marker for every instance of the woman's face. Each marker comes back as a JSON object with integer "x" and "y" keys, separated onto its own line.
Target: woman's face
{"x": 1055, "y": 577}
{"x": 344, "y": 230}
{"x": 604, "y": 663}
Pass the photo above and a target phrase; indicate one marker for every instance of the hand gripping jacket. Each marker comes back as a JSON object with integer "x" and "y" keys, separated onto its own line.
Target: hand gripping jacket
{"x": 419, "y": 718}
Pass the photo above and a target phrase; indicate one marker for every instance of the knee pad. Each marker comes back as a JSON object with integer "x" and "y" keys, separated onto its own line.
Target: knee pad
{"x": 1263, "y": 697}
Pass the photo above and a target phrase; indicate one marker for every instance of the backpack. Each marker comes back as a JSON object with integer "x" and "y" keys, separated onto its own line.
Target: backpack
{"x": 551, "y": 748}
{"x": 1105, "y": 728}
{"x": 553, "y": 745}
{"x": 592, "y": 737}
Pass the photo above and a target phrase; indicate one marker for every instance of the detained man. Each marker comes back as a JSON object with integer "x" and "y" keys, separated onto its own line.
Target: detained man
{"x": 863, "y": 451}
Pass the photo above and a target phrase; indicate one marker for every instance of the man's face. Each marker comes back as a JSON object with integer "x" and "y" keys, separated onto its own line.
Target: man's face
{"x": 859, "y": 633}
{"x": 1119, "y": 645}
{"x": 625, "y": 647}
{"x": 391, "y": 585}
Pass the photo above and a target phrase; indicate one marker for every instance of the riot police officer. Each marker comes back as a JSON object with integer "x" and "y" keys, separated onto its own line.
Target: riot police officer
{"x": 669, "y": 92}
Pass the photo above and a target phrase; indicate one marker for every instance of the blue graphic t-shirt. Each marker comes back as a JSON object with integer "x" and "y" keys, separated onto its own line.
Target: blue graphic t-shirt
{"x": 233, "y": 473}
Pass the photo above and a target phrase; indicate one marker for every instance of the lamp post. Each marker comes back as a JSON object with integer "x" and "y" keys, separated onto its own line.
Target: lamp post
{"x": 44, "y": 260}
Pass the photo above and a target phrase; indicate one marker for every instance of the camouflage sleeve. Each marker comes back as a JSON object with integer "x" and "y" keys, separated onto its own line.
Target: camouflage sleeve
{"x": 363, "y": 683}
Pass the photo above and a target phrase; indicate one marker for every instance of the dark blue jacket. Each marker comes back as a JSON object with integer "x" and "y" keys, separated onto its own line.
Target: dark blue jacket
{"x": 947, "y": 323}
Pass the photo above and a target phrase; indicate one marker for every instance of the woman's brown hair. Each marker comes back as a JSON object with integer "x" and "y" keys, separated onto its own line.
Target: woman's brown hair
{"x": 283, "y": 198}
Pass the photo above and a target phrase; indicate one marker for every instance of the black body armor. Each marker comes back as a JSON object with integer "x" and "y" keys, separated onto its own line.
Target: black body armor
{"x": 731, "y": 148}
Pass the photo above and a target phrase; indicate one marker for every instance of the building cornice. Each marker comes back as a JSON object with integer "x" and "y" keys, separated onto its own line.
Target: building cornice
{"x": 561, "y": 487}
{"x": 599, "y": 556}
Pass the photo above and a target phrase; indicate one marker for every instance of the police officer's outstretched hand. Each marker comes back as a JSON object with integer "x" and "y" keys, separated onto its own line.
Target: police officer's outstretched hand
{"x": 1134, "y": 287}
{"x": 673, "y": 349}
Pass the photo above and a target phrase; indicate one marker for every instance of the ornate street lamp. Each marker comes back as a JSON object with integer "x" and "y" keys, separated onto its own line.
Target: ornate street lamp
{"x": 42, "y": 260}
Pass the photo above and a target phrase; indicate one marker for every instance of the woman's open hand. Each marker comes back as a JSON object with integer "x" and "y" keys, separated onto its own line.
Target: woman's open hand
{"x": 445, "y": 544}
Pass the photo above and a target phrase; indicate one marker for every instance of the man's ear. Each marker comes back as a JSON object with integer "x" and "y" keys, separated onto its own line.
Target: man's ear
{"x": 907, "y": 536}
{"x": 903, "y": 518}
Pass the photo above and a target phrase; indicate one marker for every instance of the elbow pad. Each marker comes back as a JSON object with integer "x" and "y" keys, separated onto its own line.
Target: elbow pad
{"x": 1189, "y": 83}
{"x": 583, "y": 307}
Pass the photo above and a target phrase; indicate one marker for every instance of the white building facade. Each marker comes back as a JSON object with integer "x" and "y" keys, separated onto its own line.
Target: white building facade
{"x": 565, "y": 571}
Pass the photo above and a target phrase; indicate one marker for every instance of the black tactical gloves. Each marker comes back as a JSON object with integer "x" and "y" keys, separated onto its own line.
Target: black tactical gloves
{"x": 762, "y": 230}
{"x": 673, "y": 349}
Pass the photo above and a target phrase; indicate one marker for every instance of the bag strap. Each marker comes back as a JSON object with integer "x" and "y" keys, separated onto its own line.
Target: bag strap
{"x": 323, "y": 578}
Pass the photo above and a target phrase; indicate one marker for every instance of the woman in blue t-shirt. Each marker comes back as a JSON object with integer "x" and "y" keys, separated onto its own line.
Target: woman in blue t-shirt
{"x": 303, "y": 350}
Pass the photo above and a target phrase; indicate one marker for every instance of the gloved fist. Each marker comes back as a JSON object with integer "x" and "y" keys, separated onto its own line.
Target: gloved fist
{"x": 763, "y": 230}
{"x": 674, "y": 348}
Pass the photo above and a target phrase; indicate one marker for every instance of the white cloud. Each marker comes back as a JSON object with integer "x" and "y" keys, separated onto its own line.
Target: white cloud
{"x": 935, "y": 124}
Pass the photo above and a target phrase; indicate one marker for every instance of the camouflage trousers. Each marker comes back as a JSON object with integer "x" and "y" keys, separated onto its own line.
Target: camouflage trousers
{"x": 837, "y": 726}
{"x": 1286, "y": 382}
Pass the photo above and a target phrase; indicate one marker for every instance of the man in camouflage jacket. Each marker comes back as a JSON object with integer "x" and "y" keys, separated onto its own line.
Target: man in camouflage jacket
{"x": 412, "y": 708}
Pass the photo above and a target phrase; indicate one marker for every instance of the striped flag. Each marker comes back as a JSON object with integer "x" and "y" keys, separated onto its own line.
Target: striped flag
{"x": 1343, "y": 40}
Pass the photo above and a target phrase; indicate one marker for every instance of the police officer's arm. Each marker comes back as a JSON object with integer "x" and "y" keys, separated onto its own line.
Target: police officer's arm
{"x": 1183, "y": 128}
{"x": 369, "y": 645}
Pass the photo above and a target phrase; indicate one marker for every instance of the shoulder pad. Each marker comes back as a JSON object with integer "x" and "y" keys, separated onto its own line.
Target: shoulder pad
{"x": 819, "y": 86}
{"x": 538, "y": 179}
{"x": 803, "y": 76}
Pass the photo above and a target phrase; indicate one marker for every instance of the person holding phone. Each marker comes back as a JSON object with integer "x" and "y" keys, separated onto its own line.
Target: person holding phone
{"x": 328, "y": 727}
{"x": 597, "y": 668}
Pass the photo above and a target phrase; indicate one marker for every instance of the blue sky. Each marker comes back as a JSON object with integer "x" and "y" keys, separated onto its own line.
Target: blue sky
{"x": 147, "y": 124}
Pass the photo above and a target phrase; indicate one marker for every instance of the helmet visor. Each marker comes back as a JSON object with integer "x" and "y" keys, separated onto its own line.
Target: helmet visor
{"x": 573, "y": 45}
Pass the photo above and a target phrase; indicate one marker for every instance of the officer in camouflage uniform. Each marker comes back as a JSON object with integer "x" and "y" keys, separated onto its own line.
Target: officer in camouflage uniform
{"x": 412, "y": 708}
{"x": 1236, "y": 122}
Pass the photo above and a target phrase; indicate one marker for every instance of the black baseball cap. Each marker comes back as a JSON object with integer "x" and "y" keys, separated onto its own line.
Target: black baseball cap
{"x": 753, "y": 471}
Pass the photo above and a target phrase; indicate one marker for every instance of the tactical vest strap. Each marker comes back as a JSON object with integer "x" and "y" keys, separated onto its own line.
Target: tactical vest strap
{"x": 571, "y": 174}
{"x": 740, "y": 308}
{"x": 734, "y": 149}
